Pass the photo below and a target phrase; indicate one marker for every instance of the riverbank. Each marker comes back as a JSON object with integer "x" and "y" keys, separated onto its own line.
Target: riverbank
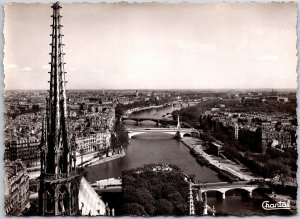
{"x": 99, "y": 160}
{"x": 225, "y": 167}
{"x": 140, "y": 109}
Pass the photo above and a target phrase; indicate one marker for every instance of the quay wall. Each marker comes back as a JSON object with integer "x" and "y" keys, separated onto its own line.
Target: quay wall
{"x": 106, "y": 159}
{"x": 223, "y": 174}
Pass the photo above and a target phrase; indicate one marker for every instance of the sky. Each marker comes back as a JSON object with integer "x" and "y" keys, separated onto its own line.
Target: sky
{"x": 155, "y": 46}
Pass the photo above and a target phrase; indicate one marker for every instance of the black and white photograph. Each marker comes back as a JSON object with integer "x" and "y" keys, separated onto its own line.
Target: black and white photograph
{"x": 150, "y": 109}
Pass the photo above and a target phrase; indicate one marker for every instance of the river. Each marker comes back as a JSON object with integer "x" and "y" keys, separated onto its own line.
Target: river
{"x": 162, "y": 148}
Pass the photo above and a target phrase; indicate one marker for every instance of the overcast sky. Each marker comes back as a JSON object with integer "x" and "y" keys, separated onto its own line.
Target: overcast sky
{"x": 155, "y": 46}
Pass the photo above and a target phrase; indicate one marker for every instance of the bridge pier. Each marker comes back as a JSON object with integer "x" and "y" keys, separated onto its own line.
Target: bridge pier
{"x": 205, "y": 210}
{"x": 205, "y": 204}
{"x": 250, "y": 194}
{"x": 223, "y": 196}
{"x": 138, "y": 123}
{"x": 177, "y": 135}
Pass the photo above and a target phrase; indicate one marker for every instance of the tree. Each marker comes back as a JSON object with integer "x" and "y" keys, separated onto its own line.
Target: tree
{"x": 120, "y": 138}
{"x": 180, "y": 209}
{"x": 164, "y": 207}
{"x": 175, "y": 197}
{"x": 134, "y": 209}
{"x": 199, "y": 206}
{"x": 119, "y": 111}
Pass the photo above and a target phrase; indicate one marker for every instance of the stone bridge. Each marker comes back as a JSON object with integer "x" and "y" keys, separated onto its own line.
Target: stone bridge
{"x": 223, "y": 187}
{"x": 158, "y": 122}
{"x": 172, "y": 131}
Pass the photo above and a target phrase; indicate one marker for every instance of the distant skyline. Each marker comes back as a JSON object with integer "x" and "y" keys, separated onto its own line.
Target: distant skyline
{"x": 155, "y": 46}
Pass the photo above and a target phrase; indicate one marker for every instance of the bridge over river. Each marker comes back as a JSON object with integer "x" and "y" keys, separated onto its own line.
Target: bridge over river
{"x": 172, "y": 131}
{"x": 159, "y": 122}
{"x": 223, "y": 187}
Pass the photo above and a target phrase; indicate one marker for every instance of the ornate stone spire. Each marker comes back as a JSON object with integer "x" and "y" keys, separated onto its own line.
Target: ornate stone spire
{"x": 58, "y": 194}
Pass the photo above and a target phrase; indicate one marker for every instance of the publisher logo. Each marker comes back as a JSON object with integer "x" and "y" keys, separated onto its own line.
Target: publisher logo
{"x": 276, "y": 206}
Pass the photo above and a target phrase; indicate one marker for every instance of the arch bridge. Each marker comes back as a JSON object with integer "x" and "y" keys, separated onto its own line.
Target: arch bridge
{"x": 158, "y": 122}
{"x": 180, "y": 133}
{"x": 223, "y": 187}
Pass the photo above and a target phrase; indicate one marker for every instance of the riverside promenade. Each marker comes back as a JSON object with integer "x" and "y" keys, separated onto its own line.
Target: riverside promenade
{"x": 238, "y": 170}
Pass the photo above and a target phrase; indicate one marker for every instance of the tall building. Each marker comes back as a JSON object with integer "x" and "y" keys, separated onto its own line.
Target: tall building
{"x": 16, "y": 182}
{"x": 25, "y": 149}
{"x": 59, "y": 183}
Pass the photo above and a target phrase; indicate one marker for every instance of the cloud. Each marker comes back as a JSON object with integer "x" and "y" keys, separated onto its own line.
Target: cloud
{"x": 268, "y": 57}
{"x": 11, "y": 66}
{"x": 26, "y": 68}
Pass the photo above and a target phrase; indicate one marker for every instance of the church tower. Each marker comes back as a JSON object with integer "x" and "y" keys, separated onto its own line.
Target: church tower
{"x": 58, "y": 182}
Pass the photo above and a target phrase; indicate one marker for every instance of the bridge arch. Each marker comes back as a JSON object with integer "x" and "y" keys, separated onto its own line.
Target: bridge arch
{"x": 213, "y": 191}
{"x": 135, "y": 133}
{"x": 152, "y": 121}
{"x": 129, "y": 119}
{"x": 148, "y": 119}
{"x": 244, "y": 192}
{"x": 187, "y": 135}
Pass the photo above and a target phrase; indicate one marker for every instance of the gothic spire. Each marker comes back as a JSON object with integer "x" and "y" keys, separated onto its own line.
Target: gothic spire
{"x": 58, "y": 139}
{"x": 59, "y": 183}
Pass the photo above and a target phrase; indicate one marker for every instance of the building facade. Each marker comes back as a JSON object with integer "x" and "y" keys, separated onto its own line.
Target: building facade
{"x": 16, "y": 182}
{"x": 25, "y": 149}
{"x": 93, "y": 142}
